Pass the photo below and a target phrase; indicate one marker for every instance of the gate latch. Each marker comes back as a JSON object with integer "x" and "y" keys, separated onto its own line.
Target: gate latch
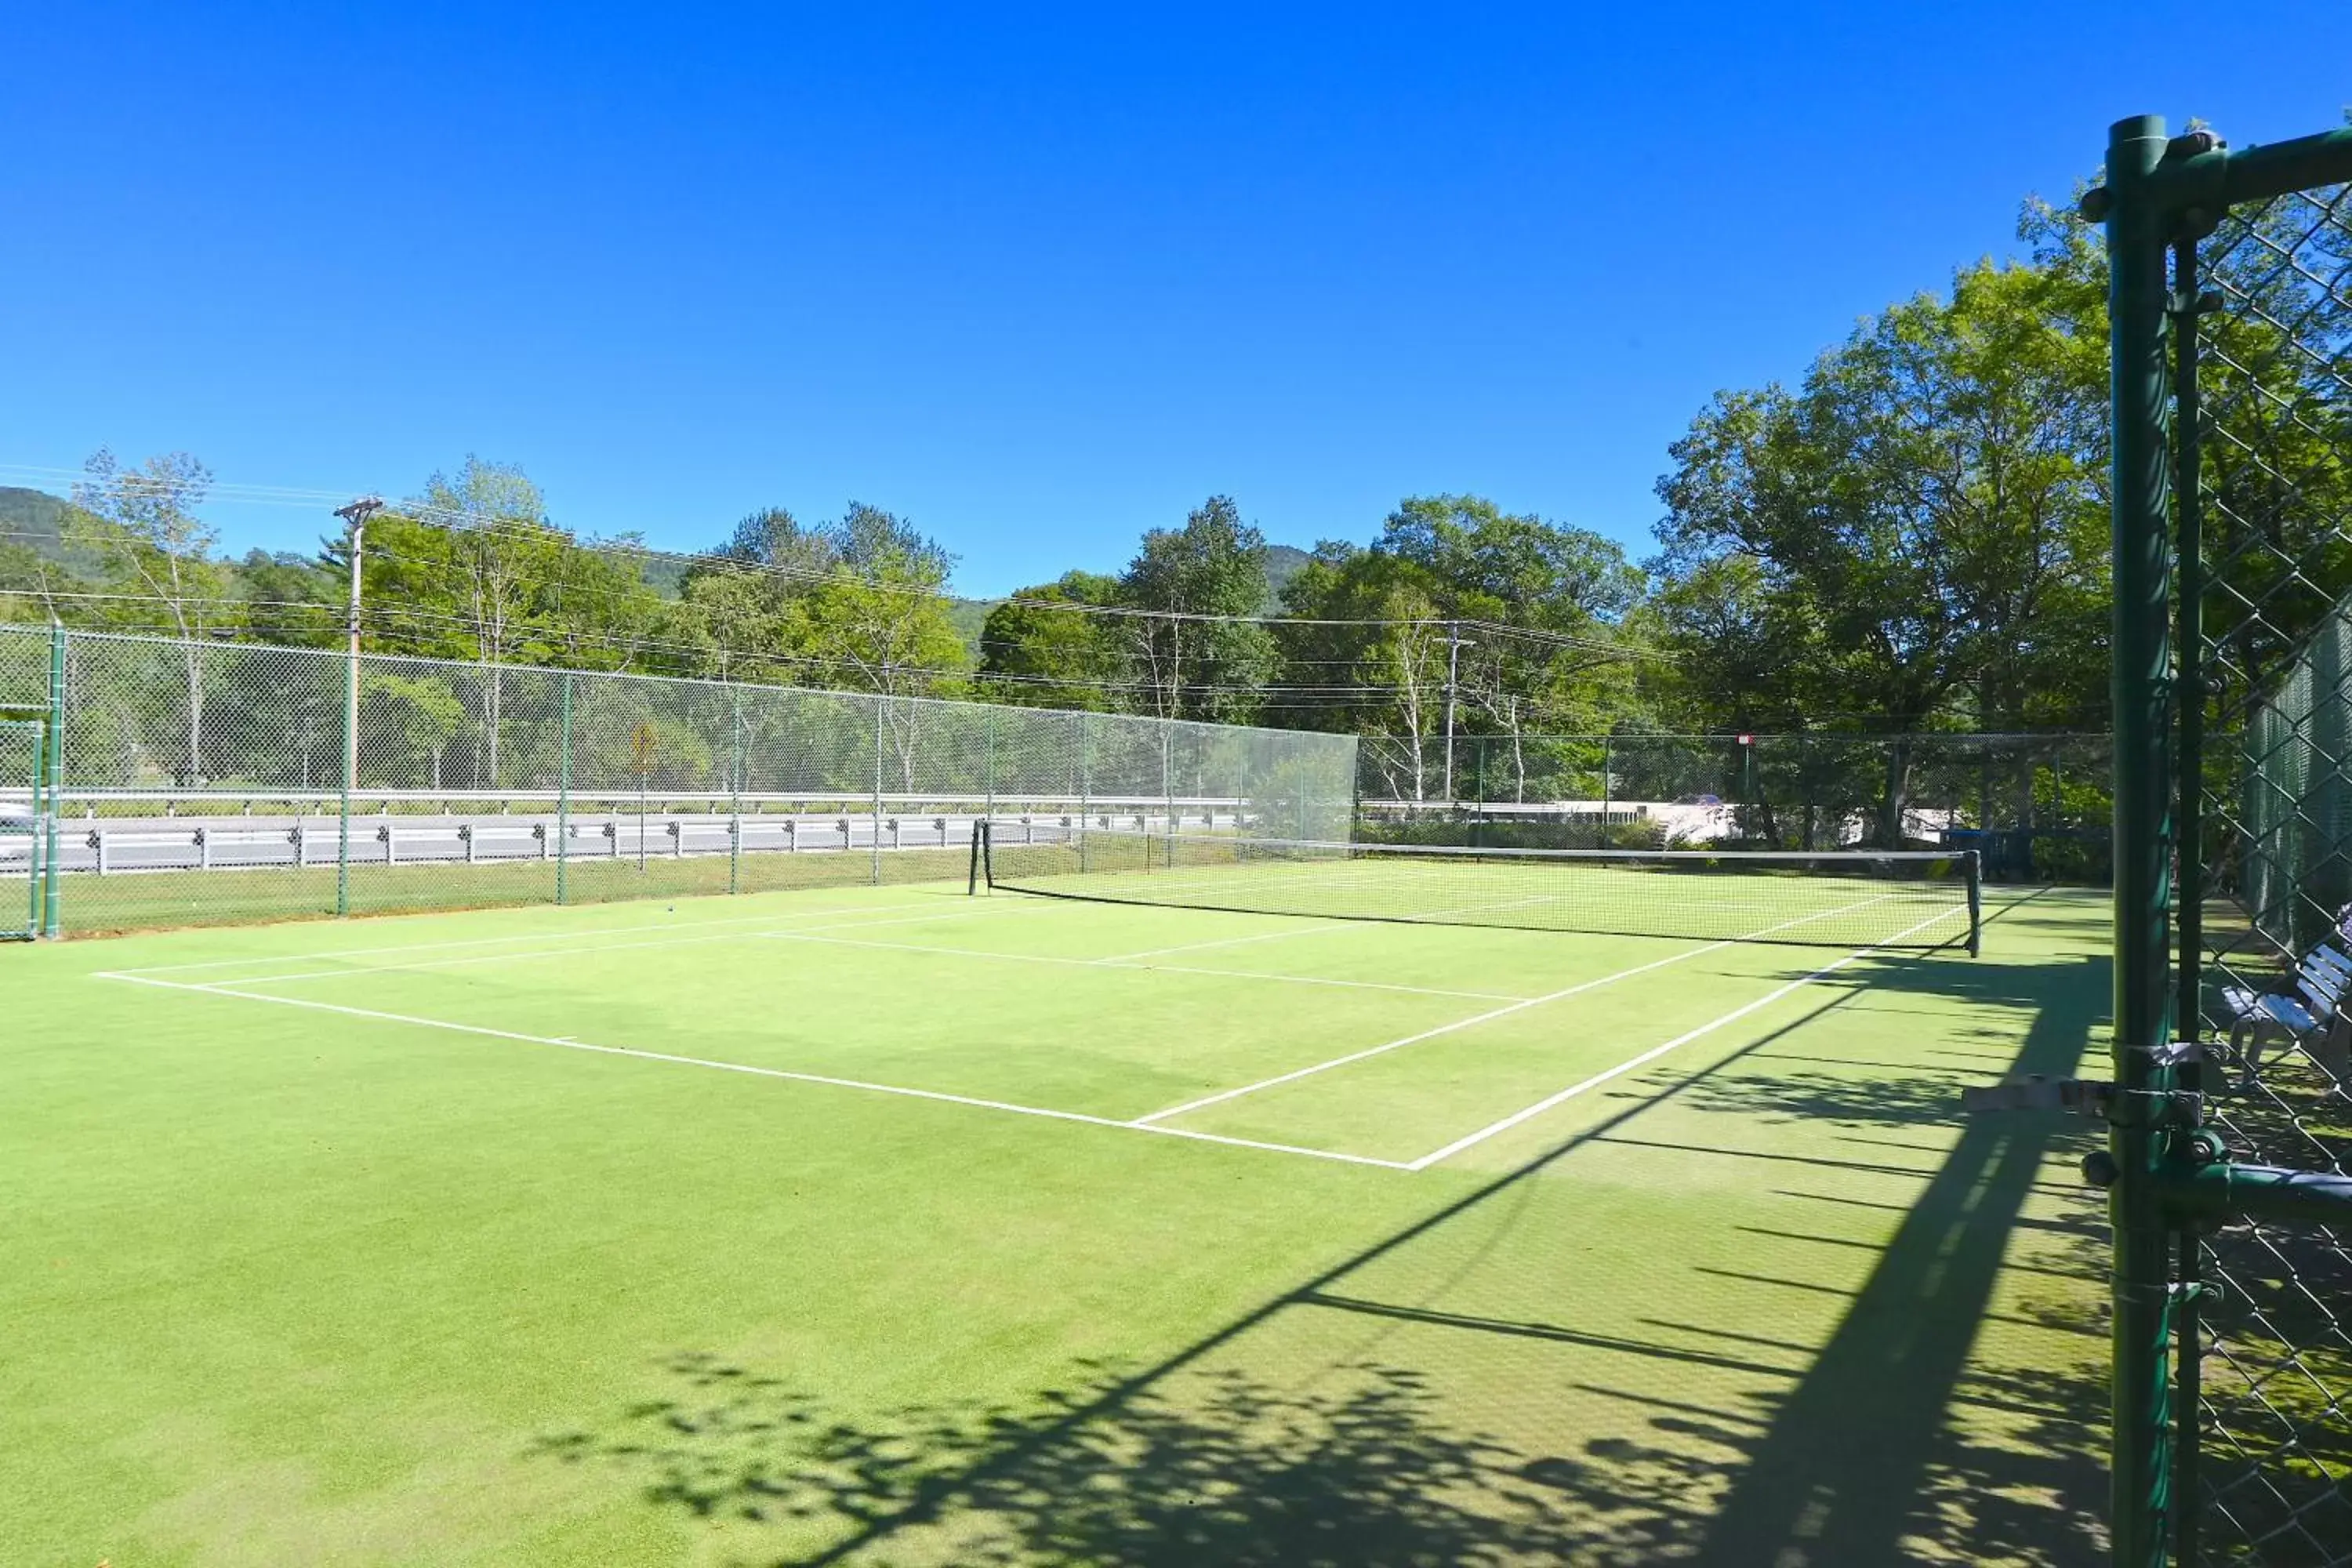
{"x": 2153, "y": 1109}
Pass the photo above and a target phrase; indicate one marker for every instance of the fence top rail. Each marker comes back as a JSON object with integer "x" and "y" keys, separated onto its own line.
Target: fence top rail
{"x": 1762, "y": 737}
{"x": 920, "y": 797}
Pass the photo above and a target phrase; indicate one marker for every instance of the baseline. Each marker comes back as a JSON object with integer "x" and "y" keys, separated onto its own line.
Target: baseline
{"x": 585, "y": 949}
{"x": 494, "y": 941}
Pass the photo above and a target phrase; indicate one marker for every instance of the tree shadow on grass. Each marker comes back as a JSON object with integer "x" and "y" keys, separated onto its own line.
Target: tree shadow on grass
{"x": 1231, "y": 1470}
{"x": 1893, "y": 1441}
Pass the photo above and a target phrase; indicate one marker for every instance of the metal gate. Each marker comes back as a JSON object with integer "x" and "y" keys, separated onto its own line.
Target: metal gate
{"x": 2229, "y": 1164}
{"x": 21, "y": 821}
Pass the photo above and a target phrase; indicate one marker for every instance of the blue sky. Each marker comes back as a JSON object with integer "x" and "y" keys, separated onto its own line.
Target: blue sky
{"x": 1038, "y": 279}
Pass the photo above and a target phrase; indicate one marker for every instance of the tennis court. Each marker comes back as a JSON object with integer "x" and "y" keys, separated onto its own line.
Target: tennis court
{"x": 865, "y": 1223}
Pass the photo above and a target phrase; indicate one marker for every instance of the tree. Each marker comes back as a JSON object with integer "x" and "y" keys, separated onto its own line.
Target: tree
{"x": 1550, "y": 653}
{"x": 1366, "y": 650}
{"x": 880, "y": 622}
{"x": 1195, "y": 664}
{"x": 142, "y": 524}
{"x": 1043, "y": 658}
{"x": 289, "y": 599}
{"x": 414, "y": 717}
{"x": 1926, "y": 511}
{"x": 473, "y": 568}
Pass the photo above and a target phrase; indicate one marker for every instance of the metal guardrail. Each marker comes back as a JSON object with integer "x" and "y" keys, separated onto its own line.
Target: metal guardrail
{"x": 318, "y": 842}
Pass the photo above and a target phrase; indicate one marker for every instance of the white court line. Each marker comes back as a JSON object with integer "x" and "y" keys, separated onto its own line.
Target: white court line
{"x": 561, "y": 1043}
{"x": 582, "y": 952}
{"x": 807, "y": 934}
{"x": 570, "y": 953}
{"x": 1309, "y": 1071}
{"x": 1655, "y": 1052}
{"x": 494, "y": 940}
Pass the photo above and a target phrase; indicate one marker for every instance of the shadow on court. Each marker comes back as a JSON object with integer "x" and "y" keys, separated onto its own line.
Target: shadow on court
{"x": 1728, "y": 1440}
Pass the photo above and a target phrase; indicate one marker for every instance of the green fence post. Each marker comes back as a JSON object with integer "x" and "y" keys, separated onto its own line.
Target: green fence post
{"x": 2137, "y": 239}
{"x": 1608, "y": 789}
{"x": 2188, "y": 1006}
{"x": 735, "y": 790}
{"x": 52, "y": 872}
{"x": 35, "y": 872}
{"x": 880, "y": 701}
{"x": 563, "y": 793}
{"x": 1086, "y": 798}
{"x": 350, "y": 779}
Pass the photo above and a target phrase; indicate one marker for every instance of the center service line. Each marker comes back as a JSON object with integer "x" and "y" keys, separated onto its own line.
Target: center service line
{"x": 1295, "y": 1074}
{"x": 1655, "y": 1052}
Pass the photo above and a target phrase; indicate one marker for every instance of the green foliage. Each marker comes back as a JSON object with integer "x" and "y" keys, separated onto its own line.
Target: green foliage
{"x": 1915, "y": 532}
{"x": 1196, "y": 668}
{"x": 421, "y": 716}
{"x": 1055, "y": 659}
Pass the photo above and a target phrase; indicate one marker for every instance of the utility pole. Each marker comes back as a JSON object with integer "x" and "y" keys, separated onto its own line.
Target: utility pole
{"x": 355, "y": 520}
{"x": 1454, "y": 647}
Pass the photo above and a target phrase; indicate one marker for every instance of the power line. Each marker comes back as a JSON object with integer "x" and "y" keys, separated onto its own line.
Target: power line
{"x": 541, "y": 533}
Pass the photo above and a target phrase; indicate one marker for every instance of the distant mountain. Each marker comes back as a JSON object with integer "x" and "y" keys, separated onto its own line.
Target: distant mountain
{"x": 36, "y": 521}
{"x": 1283, "y": 562}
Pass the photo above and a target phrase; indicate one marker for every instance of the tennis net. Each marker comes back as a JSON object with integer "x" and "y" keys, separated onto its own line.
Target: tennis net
{"x": 1852, "y": 898}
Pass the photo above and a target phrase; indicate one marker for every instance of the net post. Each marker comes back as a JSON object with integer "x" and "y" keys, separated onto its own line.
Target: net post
{"x": 979, "y": 838}
{"x": 52, "y": 913}
{"x": 563, "y": 793}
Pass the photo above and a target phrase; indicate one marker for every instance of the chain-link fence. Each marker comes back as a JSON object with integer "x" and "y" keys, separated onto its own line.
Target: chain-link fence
{"x": 20, "y": 819}
{"x": 2035, "y": 807}
{"x": 2229, "y": 1157}
{"x": 2269, "y": 348}
{"x": 205, "y": 783}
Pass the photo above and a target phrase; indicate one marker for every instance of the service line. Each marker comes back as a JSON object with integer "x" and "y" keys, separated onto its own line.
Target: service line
{"x": 828, "y": 1080}
{"x": 497, "y": 940}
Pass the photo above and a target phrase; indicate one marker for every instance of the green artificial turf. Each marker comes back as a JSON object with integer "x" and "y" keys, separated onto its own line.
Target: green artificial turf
{"x": 338, "y": 1283}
